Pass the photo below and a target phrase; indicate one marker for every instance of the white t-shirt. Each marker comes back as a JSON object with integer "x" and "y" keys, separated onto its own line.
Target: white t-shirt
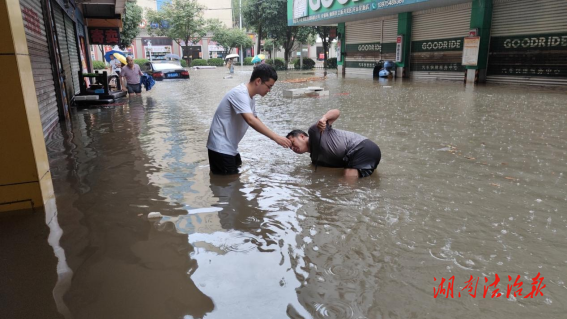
{"x": 228, "y": 126}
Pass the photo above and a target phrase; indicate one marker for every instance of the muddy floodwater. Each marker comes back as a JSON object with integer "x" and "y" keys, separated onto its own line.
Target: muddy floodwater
{"x": 471, "y": 187}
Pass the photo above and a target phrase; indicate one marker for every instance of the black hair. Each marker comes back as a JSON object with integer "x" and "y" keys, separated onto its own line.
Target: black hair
{"x": 296, "y": 133}
{"x": 265, "y": 72}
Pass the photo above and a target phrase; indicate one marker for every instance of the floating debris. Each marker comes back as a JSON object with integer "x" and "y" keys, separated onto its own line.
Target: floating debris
{"x": 155, "y": 215}
{"x": 301, "y": 80}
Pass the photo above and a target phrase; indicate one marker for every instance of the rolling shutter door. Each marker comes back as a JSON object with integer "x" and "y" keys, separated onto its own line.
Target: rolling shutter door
{"x": 437, "y": 42}
{"x": 64, "y": 51}
{"x": 389, "y": 36}
{"x": 73, "y": 53}
{"x": 366, "y": 44}
{"x": 528, "y": 42}
{"x": 34, "y": 26}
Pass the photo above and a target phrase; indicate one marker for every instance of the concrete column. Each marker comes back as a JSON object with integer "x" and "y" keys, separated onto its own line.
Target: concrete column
{"x": 404, "y": 29}
{"x": 205, "y": 48}
{"x": 25, "y": 178}
{"x": 481, "y": 18}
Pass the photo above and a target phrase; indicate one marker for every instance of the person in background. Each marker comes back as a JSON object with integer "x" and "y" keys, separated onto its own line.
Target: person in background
{"x": 130, "y": 75}
{"x": 235, "y": 113}
{"x": 230, "y": 65}
{"x": 115, "y": 66}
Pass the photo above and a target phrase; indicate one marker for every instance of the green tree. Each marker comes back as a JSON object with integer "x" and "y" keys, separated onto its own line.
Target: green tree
{"x": 180, "y": 20}
{"x": 255, "y": 16}
{"x": 231, "y": 38}
{"x": 275, "y": 11}
{"x": 327, "y": 35}
{"x": 271, "y": 45}
{"x": 130, "y": 24}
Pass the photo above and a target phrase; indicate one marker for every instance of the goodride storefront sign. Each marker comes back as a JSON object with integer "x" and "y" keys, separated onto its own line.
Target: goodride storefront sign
{"x": 453, "y": 44}
{"x": 304, "y": 11}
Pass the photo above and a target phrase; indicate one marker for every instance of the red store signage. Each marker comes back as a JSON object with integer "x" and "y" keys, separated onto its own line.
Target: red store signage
{"x": 109, "y": 36}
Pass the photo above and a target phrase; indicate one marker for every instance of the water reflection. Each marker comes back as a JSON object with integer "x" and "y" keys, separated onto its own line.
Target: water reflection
{"x": 471, "y": 183}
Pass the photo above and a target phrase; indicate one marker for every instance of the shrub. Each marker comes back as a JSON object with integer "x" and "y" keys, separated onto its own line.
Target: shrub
{"x": 248, "y": 61}
{"x": 332, "y": 63}
{"x": 183, "y": 63}
{"x": 99, "y": 65}
{"x": 198, "y": 62}
{"x": 141, "y": 62}
{"x": 215, "y": 62}
{"x": 279, "y": 64}
{"x": 308, "y": 64}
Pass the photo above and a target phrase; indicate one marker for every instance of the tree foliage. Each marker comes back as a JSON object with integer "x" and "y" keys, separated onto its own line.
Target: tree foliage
{"x": 254, "y": 14}
{"x": 130, "y": 24}
{"x": 180, "y": 20}
{"x": 259, "y": 12}
{"x": 327, "y": 35}
{"x": 231, "y": 38}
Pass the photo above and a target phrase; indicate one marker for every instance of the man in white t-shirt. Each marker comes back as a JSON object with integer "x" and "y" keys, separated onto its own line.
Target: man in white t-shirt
{"x": 235, "y": 113}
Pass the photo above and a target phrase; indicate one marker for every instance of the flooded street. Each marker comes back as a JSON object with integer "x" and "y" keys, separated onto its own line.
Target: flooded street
{"x": 471, "y": 183}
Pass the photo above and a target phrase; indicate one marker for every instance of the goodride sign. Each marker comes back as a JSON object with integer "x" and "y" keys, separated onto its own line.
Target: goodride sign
{"x": 554, "y": 41}
{"x": 453, "y": 44}
{"x": 316, "y": 4}
{"x": 303, "y": 11}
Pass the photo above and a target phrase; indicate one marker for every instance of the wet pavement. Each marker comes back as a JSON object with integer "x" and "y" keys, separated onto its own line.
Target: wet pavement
{"x": 471, "y": 183}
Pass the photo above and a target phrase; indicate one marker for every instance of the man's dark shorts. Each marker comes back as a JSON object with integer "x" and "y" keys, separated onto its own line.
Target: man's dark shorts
{"x": 134, "y": 88}
{"x": 365, "y": 157}
{"x": 222, "y": 164}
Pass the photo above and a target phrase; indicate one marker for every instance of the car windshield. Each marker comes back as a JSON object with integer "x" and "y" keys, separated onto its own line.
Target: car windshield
{"x": 166, "y": 66}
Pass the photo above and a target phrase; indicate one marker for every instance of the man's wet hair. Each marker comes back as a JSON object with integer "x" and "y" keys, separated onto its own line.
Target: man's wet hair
{"x": 265, "y": 72}
{"x": 296, "y": 133}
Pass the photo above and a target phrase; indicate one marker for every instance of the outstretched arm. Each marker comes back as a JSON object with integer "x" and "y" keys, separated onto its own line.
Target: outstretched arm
{"x": 261, "y": 128}
{"x": 329, "y": 118}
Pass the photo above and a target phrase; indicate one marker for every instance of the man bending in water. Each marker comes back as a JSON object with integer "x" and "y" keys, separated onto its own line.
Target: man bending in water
{"x": 329, "y": 147}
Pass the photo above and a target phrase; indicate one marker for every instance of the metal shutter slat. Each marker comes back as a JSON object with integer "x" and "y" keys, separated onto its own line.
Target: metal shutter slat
{"x": 441, "y": 25}
{"x": 390, "y": 32}
{"x": 528, "y": 17}
{"x": 73, "y": 54}
{"x": 363, "y": 33}
{"x": 42, "y": 70}
{"x": 63, "y": 50}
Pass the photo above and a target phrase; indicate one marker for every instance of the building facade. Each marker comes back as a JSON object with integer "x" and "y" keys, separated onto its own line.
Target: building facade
{"x": 146, "y": 46}
{"x": 495, "y": 41}
{"x": 44, "y": 49}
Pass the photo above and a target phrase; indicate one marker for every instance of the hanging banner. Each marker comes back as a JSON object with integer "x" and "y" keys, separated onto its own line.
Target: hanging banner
{"x": 399, "y": 47}
{"x": 470, "y": 51}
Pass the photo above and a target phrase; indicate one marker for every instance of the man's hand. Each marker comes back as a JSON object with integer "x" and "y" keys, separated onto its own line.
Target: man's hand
{"x": 322, "y": 124}
{"x": 284, "y": 142}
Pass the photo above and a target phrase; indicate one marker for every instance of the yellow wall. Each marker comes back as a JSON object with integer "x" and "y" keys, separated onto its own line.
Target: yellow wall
{"x": 24, "y": 166}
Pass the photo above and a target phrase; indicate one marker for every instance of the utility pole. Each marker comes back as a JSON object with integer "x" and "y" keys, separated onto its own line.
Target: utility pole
{"x": 241, "y": 58}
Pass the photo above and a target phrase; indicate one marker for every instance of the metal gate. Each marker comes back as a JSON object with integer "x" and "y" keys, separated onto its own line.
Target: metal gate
{"x": 437, "y": 42}
{"x": 368, "y": 42}
{"x": 61, "y": 34}
{"x": 528, "y": 42}
{"x": 73, "y": 53}
{"x": 42, "y": 68}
